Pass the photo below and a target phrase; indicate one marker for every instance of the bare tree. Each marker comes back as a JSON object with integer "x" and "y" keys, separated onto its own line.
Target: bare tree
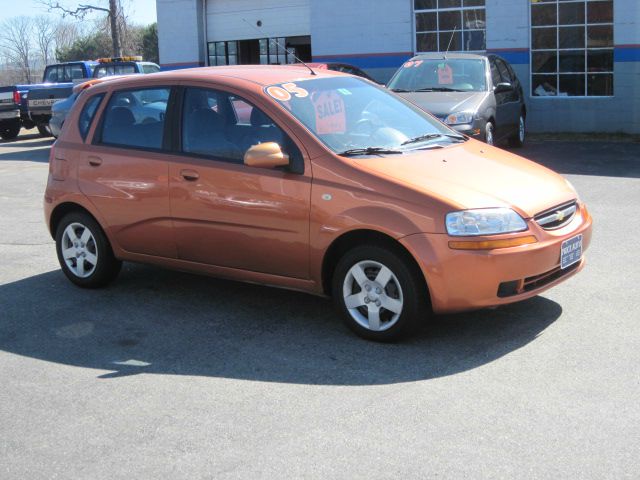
{"x": 65, "y": 34}
{"x": 16, "y": 44}
{"x": 113, "y": 12}
{"x": 45, "y": 30}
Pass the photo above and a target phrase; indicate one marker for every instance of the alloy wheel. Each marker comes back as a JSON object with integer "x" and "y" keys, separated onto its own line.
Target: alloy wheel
{"x": 79, "y": 250}
{"x": 372, "y": 295}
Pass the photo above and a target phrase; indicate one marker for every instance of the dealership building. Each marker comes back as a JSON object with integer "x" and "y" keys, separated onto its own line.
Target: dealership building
{"x": 578, "y": 60}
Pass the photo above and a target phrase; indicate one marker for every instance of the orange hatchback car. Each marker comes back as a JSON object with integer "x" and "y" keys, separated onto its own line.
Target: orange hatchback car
{"x": 315, "y": 181}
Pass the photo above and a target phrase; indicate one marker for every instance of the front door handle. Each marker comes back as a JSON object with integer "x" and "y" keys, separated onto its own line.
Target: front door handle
{"x": 189, "y": 175}
{"x": 95, "y": 161}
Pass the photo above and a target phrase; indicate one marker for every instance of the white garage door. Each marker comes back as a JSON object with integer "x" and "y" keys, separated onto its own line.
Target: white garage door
{"x": 237, "y": 19}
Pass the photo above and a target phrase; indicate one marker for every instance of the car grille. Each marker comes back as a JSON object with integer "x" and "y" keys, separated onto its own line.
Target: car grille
{"x": 557, "y": 217}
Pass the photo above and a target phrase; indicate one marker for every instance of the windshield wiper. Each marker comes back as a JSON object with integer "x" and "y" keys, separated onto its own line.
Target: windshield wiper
{"x": 400, "y": 90}
{"x": 431, "y": 136}
{"x": 439, "y": 89}
{"x": 368, "y": 151}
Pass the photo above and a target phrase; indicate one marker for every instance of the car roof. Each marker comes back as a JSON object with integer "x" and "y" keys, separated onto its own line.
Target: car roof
{"x": 261, "y": 75}
{"x": 441, "y": 55}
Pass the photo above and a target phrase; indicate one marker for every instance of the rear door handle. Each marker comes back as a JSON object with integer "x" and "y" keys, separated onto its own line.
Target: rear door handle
{"x": 189, "y": 175}
{"x": 95, "y": 161}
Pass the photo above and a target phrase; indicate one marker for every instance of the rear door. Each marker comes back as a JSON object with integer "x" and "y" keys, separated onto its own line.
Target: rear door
{"x": 228, "y": 214}
{"x": 124, "y": 173}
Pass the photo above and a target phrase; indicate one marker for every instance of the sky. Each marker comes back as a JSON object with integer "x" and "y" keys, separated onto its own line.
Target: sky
{"x": 141, "y": 12}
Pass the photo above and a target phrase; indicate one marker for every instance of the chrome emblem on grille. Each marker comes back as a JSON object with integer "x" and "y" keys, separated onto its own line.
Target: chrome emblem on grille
{"x": 557, "y": 217}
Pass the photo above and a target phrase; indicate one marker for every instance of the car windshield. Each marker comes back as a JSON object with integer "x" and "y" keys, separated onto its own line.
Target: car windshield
{"x": 351, "y": 115}
{"x": 459, "y": 74}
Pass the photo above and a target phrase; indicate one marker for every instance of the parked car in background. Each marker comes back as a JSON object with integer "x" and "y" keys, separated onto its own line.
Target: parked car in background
{"x": 342, "y": 67}
{"x": 63, "y": 73}
{"x": 478, "y": 95}
{"x": 9, "y": 113}
{"x": 335, "y": 186}
{"x": 41, "y": 99}
{"x": 57, "y": 82}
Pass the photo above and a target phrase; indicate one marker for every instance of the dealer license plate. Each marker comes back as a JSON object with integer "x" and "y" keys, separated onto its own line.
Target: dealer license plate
{"x": 570, "y": 251}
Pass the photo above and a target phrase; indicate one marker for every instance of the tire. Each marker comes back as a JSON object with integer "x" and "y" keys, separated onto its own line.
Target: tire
{"x": 44, "y": 130}
{"x": 517, "y": 140}
{"x": 490, "y": 133}
{"x": 10, "y": 130}
{"x": 90, "y": 246}
{"x": 358, "y": 294}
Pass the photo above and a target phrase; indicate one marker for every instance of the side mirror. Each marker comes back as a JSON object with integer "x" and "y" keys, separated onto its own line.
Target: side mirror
{"x": 266, "y": 155}
{"x": 503, "y": 87}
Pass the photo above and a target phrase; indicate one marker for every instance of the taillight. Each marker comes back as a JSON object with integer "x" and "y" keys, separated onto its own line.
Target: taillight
{"x": 16, "y": 97}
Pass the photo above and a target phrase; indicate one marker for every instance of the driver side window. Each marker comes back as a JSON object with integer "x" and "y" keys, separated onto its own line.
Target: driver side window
{"x": 224, "y": 126}
{"x": 495, "y": 73}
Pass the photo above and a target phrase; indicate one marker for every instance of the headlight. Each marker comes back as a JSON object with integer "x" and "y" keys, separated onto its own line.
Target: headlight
{"x": 459, "y": 118}
{"x": 484, "y": 221}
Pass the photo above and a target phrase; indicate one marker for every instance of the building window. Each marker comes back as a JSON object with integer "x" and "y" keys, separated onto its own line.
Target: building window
{"x": 266, "y": 51}
{"x": 275, "y": 51}
{"x": 571, "y": 48}
{"x": 223, "y": 53}
{"x": 454, "y": 25}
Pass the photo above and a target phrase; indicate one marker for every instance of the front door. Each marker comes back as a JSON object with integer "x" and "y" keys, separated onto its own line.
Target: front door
{"x": 228, "y": 214}
{"x": 511, "y": 104}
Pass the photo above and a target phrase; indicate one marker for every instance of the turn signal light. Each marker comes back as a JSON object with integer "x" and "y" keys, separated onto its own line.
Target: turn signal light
{"x": 492, "y": 244}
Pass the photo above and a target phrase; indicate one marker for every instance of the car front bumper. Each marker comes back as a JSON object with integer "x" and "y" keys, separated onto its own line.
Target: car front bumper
{"x": 461, "y": 280}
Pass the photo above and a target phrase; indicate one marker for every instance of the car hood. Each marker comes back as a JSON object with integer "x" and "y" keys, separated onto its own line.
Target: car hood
{"x": 442, "y": 104}
{"x": 474, "y": 175}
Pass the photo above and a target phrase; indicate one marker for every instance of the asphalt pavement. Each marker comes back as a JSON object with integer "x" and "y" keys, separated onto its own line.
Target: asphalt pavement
{"x": 172, "y": 375}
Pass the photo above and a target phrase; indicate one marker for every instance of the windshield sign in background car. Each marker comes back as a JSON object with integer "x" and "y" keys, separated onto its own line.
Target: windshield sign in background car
{"x": 478, "y": 95}
{"x": 323, "y": 183}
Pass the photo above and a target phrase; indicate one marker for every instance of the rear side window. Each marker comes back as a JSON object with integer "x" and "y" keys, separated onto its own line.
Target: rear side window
{"x": 110, "y": 70}
{"x": 88, "y": 112}
{"x": 76, "y": 71}
{"x": 148, "y": 68}
{"x": 135, "y": 118}
{"x": 63, "y": 73}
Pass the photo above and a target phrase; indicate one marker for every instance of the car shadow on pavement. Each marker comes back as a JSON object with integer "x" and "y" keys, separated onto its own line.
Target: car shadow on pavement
{"x": 609, "y": 159}
{"x": 156, "y": 321}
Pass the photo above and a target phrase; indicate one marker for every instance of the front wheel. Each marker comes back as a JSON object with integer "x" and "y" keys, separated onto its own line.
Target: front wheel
{"x": 489, "y": 133}
{"x": 379, "y": 294}
{"x": 517, "y": 140}
{"x": 84, "y": 251}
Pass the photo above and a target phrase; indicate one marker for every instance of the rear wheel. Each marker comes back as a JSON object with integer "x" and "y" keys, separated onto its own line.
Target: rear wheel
{"x": 379, "y": 294}
{"x": 44, "y": 130}
{"x": 517, "y": 140}
{"x": 84, "y": 251}
{"x": 10, "y": 129}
